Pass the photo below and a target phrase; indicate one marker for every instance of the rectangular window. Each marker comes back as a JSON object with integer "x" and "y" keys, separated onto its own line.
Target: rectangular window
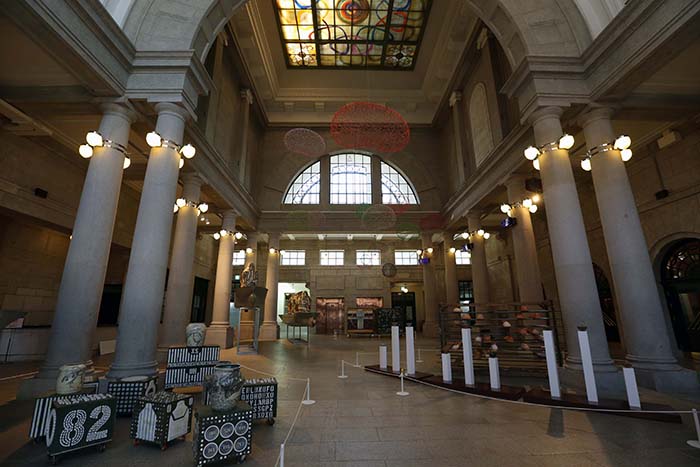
{"x": 293, "y": 257}
{"x": 405, "y": 258}
{"x": 463, "y": 257}
{"x": 239, "y": 258}
{"x": 369, "y": 257}
{"x": 466, "y": 292}
{"x": 332, "y": 257}
{"x": 351, "y": 179}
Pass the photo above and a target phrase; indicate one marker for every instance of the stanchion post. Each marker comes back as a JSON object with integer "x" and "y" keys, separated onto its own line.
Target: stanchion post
{"x": 402, "y": 392}
{"x": 342, "y": 374}
{"x": 468, "y": 357}
{"x": 552, "y": 370}
{"x": 308, "y": 400}
{"x": 395, "y": 350}
{"x": 410, "y": 352}
{"x": 695, "y": 442}
{"x": 282, "y": 455}
{"x": 587, "y": 362}
{"x": 419, "y": 359}
{"x": 631, "y": 387}
{"x": 382, "y": 357}
{"x": 494, "y": 375}
{"x": 357, "y": 358}
{"x": 446, "y": 368}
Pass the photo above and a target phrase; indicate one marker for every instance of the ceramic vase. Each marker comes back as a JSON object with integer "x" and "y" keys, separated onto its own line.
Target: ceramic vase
{"x": 70, "y": 379}
{"x": 196, "y": 332}
{"x": 224, "y": 386}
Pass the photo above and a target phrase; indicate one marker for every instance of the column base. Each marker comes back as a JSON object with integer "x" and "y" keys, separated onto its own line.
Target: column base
{"x": 610, "y": 384}
{"x": 117, "y": 371}
{"x": 219, "y": 335}
{"x": 681, "y": 380}
{"x": 431, "y": 329}
{"x": 269, "y": 332}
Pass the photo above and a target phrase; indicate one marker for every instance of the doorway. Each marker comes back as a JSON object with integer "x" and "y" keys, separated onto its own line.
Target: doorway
{"x": 607, "y": 304}
{"x": 680, "y": 278}
{"x": 330, "y": 315}
{"x": 199, "y": 300}
{"x": 406, "y": 301}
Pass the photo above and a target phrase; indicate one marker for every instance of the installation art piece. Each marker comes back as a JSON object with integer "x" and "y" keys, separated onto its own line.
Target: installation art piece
{"x": 224, "y": 385}
{"x": 299, "y": 310}
{"x": 220, "y": 436}
{"x": 370, "y": 126}
{"x": 187, "y": 366}
{"x": 305, "y": 142}
{"x": 249, "y": 276}
{"x": 352, "y": 33}
{"x": 127, "y": 391}
{"x": 196, "y": 332}
{"x": 161, "y": 418}
{"x": 70, "y": 379}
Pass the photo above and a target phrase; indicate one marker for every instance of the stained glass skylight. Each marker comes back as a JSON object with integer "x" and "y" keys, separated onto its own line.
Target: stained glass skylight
{"x": 383, "y": 34}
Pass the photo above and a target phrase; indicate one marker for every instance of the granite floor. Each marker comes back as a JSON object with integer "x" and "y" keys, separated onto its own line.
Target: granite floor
{"x": 360, "y": 421}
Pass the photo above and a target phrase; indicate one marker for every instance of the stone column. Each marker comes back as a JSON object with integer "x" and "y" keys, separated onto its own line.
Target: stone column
{"x": 220, "y": 332}
{"x": 268, "y": 331}
{"x": 82, "y": 282}
{"x": 480, "y": 272}
{"x": 526, "y": 264}
{"x": 458, "y": 132}
{"x": 451, "y": 287}
{"x": 178, "y": 295}
{"x": 646, "y": 340}
{"x": 247, "y": 316}
{"x": 431, "y": 327}
{"x": 142, "y": 300}
{"x": 573, "y": 267}
{"x": 247, "y": 98}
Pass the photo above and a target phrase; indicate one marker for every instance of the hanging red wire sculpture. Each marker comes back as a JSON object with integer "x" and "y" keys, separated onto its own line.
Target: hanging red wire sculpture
{"x": 306, "y": 142}
{"x": 374, "y": 127}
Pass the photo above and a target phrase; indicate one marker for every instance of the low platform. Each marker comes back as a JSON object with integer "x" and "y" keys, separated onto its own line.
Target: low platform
{"x": 541, "y": 396}
{"x": 375, "y": 369}
{"x": 510, "y": 393}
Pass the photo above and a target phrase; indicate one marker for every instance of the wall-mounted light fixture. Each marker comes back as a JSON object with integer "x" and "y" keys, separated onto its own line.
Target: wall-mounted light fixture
{"x": 622, "y": 144}
{"x": 95, "y": 140}
{"x": 182, "y": 202}
{"x": 187, "y": 151}
{"x": 533, "y": 153}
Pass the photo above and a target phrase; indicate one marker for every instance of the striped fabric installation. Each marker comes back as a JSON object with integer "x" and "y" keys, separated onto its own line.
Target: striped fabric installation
{"x": 193, "y": 356}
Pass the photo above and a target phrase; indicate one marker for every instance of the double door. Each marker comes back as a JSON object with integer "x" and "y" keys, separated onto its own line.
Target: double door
{"x": 331, "y": 313}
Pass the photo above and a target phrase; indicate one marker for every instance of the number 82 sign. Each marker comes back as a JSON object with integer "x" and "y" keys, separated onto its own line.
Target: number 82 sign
{"x": 80, "y": 422}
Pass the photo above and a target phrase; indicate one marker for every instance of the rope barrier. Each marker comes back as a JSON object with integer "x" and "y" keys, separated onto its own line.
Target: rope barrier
{"x": 280, "y": 457}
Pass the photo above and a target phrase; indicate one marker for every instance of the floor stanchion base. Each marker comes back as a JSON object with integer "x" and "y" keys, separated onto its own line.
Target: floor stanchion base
{"x": 694, "y": 443}
{"x": 308, "y": 402}
{"x": 404, "y": 393}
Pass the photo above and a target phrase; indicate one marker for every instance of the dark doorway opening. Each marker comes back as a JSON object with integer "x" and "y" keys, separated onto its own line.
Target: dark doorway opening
{"x": 109, "y": 306}
{"x": 680, "y": 277}
{"x": 607, "y": 304}
{"x": 199, "y": 300}
{"x": 407, "y": 303}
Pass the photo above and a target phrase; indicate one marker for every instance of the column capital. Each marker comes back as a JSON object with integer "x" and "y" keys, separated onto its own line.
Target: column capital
{"x": 474, "y": 220}
{"x": 173, "y": 108}
{"x": 253, "y": 238}
{"x": 191, "y": 186}
{"x": 546, "y": 124}
{"x": 247, "y": 96}
{"x": 515, "y": 187}
{"x": 545, "y": 113}
{"x": 273, "y": 239}
{"x": 229, "y": 220}
{"x": 455, "y": 97}
{"x": 119, "y": 109}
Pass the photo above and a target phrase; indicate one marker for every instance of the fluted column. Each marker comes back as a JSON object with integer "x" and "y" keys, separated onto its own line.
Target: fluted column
{"x": 573, "y": 268}
{"x": 480, "y": 272}
{"x": 268, "y": 331}
{"x": 458, "y": 134}
{"x": 178, "y": 295}
{"x": 220, "y": 332}
{"x": 247, "y": 102}
{"x": 526, "y": 263}
{"x": 431, "y": 327}
{"x": 646, "y": 340}
{"x": 142, "y": 300}
{"x": 247, "y": 316}
{"x": 82, "y": 282}
{"x": 451, "y": 286}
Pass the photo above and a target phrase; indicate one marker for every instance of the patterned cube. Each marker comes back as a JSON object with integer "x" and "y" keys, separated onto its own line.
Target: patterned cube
{"x": 129, "y": 390}
{"x": 188, "y": 366}
{"x": 162, "y": 417}
{"x": 78, "y": 422}
{"x": 261, "y": 394}
{"x": 220, "y": 436}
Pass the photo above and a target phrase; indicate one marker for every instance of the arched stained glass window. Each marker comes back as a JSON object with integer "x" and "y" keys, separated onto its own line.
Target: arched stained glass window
{"x": 306, "y": 188}
{"x": 351, "y": 179}
{"x": 395, "y": 187}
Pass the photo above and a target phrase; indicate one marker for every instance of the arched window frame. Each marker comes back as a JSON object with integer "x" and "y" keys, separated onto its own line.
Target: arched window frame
{"x": 377, "y": 183}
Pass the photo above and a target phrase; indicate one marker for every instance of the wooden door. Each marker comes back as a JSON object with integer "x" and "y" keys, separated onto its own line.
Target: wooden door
{"x": 330, "y": 315}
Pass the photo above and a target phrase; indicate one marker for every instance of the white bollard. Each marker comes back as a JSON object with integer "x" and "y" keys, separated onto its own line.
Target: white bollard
{"x": 410, "y": 352}
{"x": 342, "y": 374}
{"x": 395, "y": 350}
{"x": 357, "y": 359}
{"x": 552, "y": 370}
{"x": 308, "y": 400}
{"x": 632, "y": 390}
{"x": 402, "y": 392}
{"x": 468, "y": 357}
{"x": 446, "y": 368}
{"x": 494, "y": 375}
{"x": 419, "y": 359}
{"x": 587, "y": 362}
{"x": 695, "y": 442}
{"x": 282, "y": 455}
{"x": 382, "y": 357}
